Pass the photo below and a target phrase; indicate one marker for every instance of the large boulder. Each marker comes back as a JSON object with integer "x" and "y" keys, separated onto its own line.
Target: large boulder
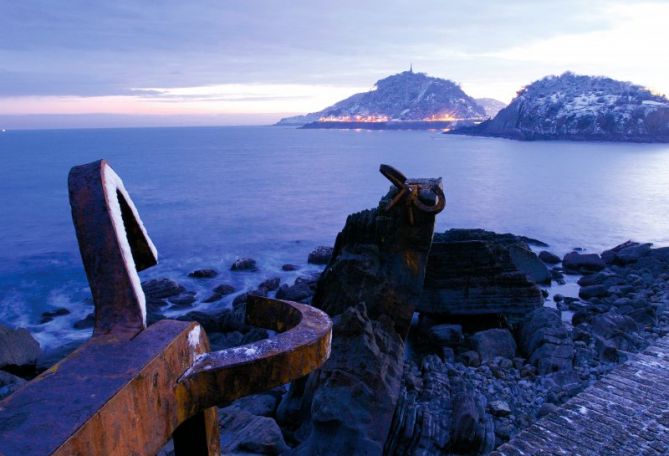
{"x": 582, "y": 263}
{"x": 492, "y": 343}
{"x": 242, "y": 432}
{"x": 19, "y": 351}
{"x": 546, "y": 342}
{"x": 476, "y": 272}
{"x": 626, "y": 253}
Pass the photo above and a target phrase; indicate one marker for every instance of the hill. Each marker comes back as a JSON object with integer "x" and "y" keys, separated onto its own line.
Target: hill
{"x": 406, "y": 96}
{"x": 576, "y": 107}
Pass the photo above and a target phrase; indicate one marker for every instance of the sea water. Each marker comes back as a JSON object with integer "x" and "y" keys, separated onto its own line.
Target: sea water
{"x": 210, "y": 195}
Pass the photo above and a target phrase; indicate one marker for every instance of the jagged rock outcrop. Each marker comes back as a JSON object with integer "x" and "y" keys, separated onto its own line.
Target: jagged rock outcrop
{"x": 439, "y": 412}
{"x": 546, "y": 342}
{"x": 403, "y": 96}
{"x": 475, "y": 272}
{"x": 578, "y": 107}
{"x": 370, "y": 288}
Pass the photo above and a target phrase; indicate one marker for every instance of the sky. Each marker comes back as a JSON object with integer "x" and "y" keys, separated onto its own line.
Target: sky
{"x": 81, "y": 63}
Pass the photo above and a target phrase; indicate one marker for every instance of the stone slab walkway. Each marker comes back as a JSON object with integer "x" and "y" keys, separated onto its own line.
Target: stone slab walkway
{"x": 624, "y": 413}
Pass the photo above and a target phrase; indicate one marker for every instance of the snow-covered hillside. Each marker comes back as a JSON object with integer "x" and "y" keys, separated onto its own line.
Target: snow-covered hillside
{"x": 403, "y": 96}
{"x": 578, "y": 107}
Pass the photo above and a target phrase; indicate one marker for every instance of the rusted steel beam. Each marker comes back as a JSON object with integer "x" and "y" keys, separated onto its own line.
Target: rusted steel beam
{"x": 114, "y": 245}
{"x": 118, "y": 396}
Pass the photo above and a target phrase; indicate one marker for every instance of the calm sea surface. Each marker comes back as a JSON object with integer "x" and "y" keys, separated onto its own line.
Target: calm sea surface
{"x": 209, "y": 195}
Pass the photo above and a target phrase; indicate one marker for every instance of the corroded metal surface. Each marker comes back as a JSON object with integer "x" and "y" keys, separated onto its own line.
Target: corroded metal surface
{"x": 222, "y": 376}
{"x": 114, "y": 246}
{"x": 412, "y": 192}
{"x": 130, "y": 388}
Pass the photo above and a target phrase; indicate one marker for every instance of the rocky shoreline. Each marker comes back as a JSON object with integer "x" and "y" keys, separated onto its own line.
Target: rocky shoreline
{"x": 470, "y": 381}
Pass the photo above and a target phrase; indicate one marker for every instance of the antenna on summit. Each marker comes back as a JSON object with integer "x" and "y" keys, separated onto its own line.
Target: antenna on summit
{"x": 410, "y": 67}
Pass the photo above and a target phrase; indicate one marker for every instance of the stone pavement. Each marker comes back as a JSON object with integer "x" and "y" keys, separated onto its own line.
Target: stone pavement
{"x": 625, "y": 413}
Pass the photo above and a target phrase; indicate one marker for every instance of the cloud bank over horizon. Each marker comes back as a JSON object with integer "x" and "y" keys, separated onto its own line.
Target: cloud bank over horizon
{"x": 194, "y": 63}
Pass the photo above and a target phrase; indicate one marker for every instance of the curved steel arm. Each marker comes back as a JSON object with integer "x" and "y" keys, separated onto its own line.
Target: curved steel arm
{"x": 216, "y": 378}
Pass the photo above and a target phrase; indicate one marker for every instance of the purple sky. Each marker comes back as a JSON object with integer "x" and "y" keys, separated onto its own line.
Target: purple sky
{"x": 252, "y": 62}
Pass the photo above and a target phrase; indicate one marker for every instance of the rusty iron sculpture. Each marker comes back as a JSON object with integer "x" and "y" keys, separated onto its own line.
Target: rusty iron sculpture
{"x": 412, "y": 192}
{"x": 130, "y": 388}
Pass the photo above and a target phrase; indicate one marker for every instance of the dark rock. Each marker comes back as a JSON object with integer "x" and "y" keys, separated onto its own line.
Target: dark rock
{"x": 472, "y": 272}
{"x": 320, "y": 255}
{"x": 298, "y": 292}
{"x": 224, "y": 289}
{"x": 214, "y": 297}
{"x": 473, "y": 429}
{"x": 558, "y": 297}
{"x": 547, "y": 408}
{"x": 557, "y": 276}
{"x": 221, "y": 341}
{"x": 626, "y": 253}
{"x": 203, "y": 274}
{"x": 548, "y": 257}
{"x": 263, "y": 404}
{"x": 161, "y": 288}
{"x": 242, "y": 432}
{"x": 593, "y": 291}
{"x": 219, "y": 292}
{"x": 18, "y": 350}
{"x": 244, "y": 264}
{"x": 546, "y": 342}
{"x": 240, "y": 298}
{"x": 9, "y": 383}
{"x": 50, "y": 315}
{"x": 578, "y": 263}
{"x": 354, "y": 385}
{"x": 593, "y": 279}
{"x": 87, "y": 322}
{"x": 471, "y": 358}
{"x": 422, "y": 420}
{"x": 446, "y": 335}
{"x": 289, "y": 267}
{"x": 617, "y": 330}
{"x": 185, "y": 299}
{"x": 494, "y": 342}
{"x": 499, "y": 408}
{"x": 270, "y": 284}
{"x": 221, "y": 321}
{"x": 527, "y": 262}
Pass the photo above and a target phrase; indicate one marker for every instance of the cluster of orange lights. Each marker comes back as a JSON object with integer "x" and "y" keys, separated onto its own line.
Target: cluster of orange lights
{"x": 432, "y": 118}
{"x": 440, "y": 118}
{"x": 355, "y": 119}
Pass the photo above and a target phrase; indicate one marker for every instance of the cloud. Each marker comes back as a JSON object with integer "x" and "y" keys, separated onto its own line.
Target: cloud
{"x": 299, "y": 56}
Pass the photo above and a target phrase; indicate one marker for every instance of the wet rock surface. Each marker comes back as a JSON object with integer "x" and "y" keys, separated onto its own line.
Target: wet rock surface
{"x": 370, "y": 288}
{"x": 477, "y": 272}
{"x": 244, "y": 264}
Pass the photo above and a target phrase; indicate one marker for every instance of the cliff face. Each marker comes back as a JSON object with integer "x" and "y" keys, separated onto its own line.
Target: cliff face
{"x": 403, "y": 96}
{"x": 580, "y": 108}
